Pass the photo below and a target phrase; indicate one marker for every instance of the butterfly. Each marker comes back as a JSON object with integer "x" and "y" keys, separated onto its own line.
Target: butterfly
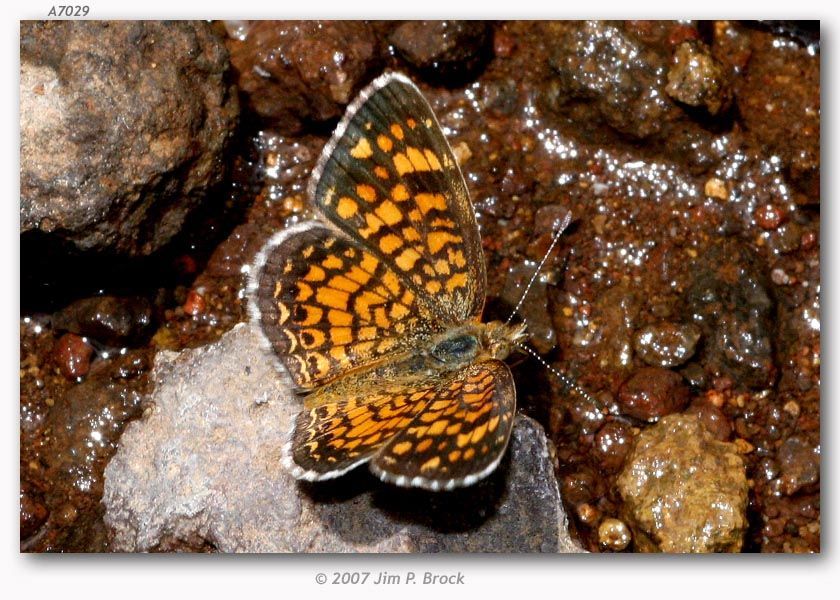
{"x": 375, "y": 309}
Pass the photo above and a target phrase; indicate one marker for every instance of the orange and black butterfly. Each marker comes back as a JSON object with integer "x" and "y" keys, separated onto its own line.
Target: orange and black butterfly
{"x": 376, "y": 310}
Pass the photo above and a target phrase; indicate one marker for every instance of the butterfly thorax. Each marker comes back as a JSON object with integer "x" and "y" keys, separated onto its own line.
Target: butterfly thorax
{"x": 475, "y": 342}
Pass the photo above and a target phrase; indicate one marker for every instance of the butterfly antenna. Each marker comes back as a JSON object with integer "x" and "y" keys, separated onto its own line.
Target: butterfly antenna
{"x": 566, "y": 380}
{"x": 556, "y": 238}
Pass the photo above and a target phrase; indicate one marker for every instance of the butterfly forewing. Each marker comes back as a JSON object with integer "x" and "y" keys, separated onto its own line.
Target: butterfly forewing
{"x": 329, "y": 306}
{"x": 388, "y": 179}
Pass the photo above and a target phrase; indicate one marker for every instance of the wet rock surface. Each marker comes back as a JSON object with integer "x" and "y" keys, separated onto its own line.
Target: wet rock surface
{"x": 123, "y": 127}
{"x": 682, "y": 219}
{"x": 202, "y": 469}
{"x": 443, "y": 50}
{"x": 684, "y": 491}
{"x": 294, "y": 72}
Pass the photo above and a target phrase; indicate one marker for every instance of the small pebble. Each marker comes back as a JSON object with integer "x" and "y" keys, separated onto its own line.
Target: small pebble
{"x": 72, "y": 355}
{"x": 652, "y": 393}
{"x": 194, "y": 304}
{"x": 612, "y": 443}
{"x": 716, "y": 188}
{"x": 666, "y": 344}
{"x": 769, "y": 216}
{"x": 614, "y": 534}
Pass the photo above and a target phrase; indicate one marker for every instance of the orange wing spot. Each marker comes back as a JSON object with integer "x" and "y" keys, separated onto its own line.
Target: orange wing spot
{"x": 401, "y": 448}
{"x": 463, "y": 439}
{"x": 441, "y": 222}
{"x": 390, "y": 243}
{"x": 439, "y": 404}
{"x": 402, "y": 164}
{"x": 415, "y": 215}
{"x": 347, "y": 207}
{"x": 322, "y": 363}
{"x": 456, "y": 258}
{"x": 438, "y": 239}
{"x": 380, "y": 172}
{"x": 478, "y": 433}
{"x": 336, "y": 443}
{"x": 380, "y": 318}
{"x": 391, "y": 282}
{"x": 474, "y": 416}
{"x": 406, "y": 260}
{"x": 315, "y": 273}
{"x": 411, "y": 234}
{"x": 424, "y": 445}
{"x": 456, "y": 281}
{"x": 332, "y": 262}
{"x": 369, "y": 263}
{"x": 366, "y": 192}
{"x": 338, "y": 353}
{"x": 332, "y": 298}
{"x": 312, "y": 338}
{"x": 438, "y": 427}
{"x": 388, "y": 212}
{"x": 352, "y": 444}
{"x": 493, "y": 423}
{"x": 367, "y": 333}
{"x": 469, "y": 453}
{"x": 442, "y": 267}
{"x": 397, "y": 131}
{"x": 407, "y": 298}
{"x": 362, "y": 428}
{"x": 429, "y": 416}
{"x": 313, "y": 315}
{"x": 362, "y": 149}
{"x": 399, "y": 193}
{"x": 372, "y": 439}
{"x": 453, "y": 429}
{"x": 358, "y": 275}
{"x": 454, "y": 456}
{"x": 418, "y": 161}
{"x": 427, "y": 202}
{"x": 430, "y": 464}
{"x": 374, "y": 224}
{"x": 384, "y": 142}
{"x": 411, "y": 123}
{"x": 398, "y": 311}
{"x": 428, "y": 270}
{"x": 432, "y": 159}
{"x": 433, "y": 286}
{"x": 304, "y": 292}
{"x": 341, "y": 335}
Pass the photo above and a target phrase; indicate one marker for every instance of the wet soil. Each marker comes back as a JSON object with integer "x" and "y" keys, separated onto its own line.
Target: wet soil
{"x": 689, "y": 279}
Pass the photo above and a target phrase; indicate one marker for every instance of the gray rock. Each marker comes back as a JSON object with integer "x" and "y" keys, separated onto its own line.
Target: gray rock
{"x": 122, "y": 128}
{"x": 202, "y": 468}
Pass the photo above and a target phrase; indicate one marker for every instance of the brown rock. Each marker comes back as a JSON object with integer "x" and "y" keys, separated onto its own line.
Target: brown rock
{"x": 295, "y": 72}
{"x": 684, "y": 491}
{"x": 443, "y": 50}
{"x": 652, "y": 393}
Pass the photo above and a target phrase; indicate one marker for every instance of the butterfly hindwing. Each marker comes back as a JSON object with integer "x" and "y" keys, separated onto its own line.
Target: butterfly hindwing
{"x": 388, "y": 178}
{"x": 458, "y": 437}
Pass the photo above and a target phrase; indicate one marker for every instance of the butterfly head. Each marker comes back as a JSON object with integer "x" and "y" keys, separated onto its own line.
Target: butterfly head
{"x": 499, "y": 339}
